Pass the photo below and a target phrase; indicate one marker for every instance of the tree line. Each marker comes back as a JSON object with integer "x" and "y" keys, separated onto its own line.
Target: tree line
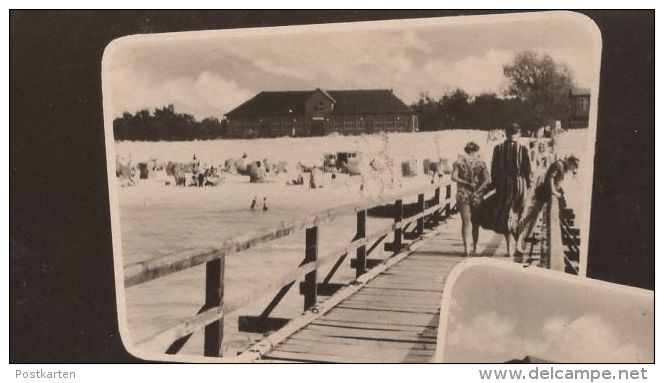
{"x": 167, "y": 125}
{"x": 458, "y": 110}
{"x": 537, "y": 94}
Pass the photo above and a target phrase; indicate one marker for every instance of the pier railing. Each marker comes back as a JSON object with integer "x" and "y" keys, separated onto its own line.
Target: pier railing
{"x": 428, "y": 212}
{"x": 564, "y": 240}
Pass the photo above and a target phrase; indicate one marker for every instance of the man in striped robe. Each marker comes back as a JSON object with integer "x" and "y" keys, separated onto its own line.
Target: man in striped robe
{"x": 510, "y": 174}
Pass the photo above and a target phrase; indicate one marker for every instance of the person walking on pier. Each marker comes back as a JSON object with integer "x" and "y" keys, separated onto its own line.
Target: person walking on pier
{"x": 510, "y": 174}
{"x": 472, "y": 177}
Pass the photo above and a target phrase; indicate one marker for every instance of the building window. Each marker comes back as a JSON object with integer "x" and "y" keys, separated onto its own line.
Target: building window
{"x": 401, "y": 123}
{"x": 319, "y": 106}
{"x": 360, "y": 124}
{"x": 389, "y": 123}
{"x": 581, "y": 104}
{"x": 338, "y": 124}
{"x": 349, "y": 124}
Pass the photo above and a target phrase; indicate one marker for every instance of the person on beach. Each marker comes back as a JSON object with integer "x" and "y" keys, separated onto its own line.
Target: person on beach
{"x": 254, "y": 203}
{"x": 264, "y": 204}
{"x": 510, "y": 174}
{"x": 550, "y": 187}
{"x": 472, "y": 177}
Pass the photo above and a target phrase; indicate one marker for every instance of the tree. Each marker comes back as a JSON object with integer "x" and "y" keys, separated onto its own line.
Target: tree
{"x": 542, "y": 85}
{"x": 166, "y": 124}
{"x": 429, "y": 114}
{"x": 458, "y": 110}
{"x": 487, "y": 111}
{"x": 455, "y": 108}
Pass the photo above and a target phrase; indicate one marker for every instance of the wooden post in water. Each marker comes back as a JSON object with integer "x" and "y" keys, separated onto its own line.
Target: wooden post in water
{"x": 398, "y": 216}
{"x": 310, "y": 255}
{"x": 420, "y": 209}
{"x": 214, "y": 297}
{"x": 361, "y": 266}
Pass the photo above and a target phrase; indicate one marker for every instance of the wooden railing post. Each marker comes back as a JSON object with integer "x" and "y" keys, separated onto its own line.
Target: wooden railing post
{"x": 310, "y": 255}
{"x": 398, "y": 216}
{"x": 361, "y": 266}
{"x": 448, "y": 197}
{"x": 214, "y": 297}
{"x": 420, "y": 209}
{"x": 436, "y": 203}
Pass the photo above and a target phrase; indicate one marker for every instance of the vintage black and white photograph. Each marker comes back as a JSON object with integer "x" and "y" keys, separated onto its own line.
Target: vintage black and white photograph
{"x": 403, "y": 191}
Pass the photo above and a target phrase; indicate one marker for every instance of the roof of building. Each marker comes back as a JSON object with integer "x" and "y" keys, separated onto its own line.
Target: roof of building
{"x": 345, "y": 102}
{"x": 580, "y": 92}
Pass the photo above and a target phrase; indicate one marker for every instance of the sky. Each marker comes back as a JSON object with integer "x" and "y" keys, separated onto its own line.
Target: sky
{"x": 497, "y": 314}
{"x": 210, "y": 73}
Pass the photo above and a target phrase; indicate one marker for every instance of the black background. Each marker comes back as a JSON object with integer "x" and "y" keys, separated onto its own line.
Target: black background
{"x": 62, "y": 293}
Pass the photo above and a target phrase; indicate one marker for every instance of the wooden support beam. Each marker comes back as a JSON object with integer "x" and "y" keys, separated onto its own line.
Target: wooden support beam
{"x": 310, "y": 255}
{"x": 334, "y": 269}
{"x": 176, "y": 346}
{"x": 214, "y": 297}
{"x": 398, "y": 216}
{"x": 449, "y": 207}
{"x": 375, "y": 244}
{"x": 420, "y": 209}
{"x": 572, "y": 255}
{"x": 567, "y": 213}
{"x": 571, "y": 241}
{"x": 572, "y": 231}
{"x": 361, "y": 265}
{"x": 277, "y": 298}
{"x": 436, "y": 202}
{"x": 570, "y": 236}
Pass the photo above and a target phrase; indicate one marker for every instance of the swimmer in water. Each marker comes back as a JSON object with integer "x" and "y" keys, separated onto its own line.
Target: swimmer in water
{"x": 253, "y": 203}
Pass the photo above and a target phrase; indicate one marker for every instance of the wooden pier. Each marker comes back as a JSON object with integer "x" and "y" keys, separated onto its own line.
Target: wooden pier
{"x": 389, "y": 313}
{"x": 393, "y": 318}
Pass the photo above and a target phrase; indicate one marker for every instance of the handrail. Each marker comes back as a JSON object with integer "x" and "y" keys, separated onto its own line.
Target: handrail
{"x": 555, "y": 254}
{"x": 144, "y": 271}
{"x": 560, "y": 238}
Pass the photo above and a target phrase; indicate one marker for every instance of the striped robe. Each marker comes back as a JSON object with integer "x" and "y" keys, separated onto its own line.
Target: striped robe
{"x": 510, "y": 175}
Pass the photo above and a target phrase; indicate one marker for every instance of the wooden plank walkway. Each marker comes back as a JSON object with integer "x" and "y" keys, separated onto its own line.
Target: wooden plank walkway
{"x": 394, "y": 318}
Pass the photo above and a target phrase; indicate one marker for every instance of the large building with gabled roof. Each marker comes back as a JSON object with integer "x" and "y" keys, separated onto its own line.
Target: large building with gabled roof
{"x": 319, "y": 113}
